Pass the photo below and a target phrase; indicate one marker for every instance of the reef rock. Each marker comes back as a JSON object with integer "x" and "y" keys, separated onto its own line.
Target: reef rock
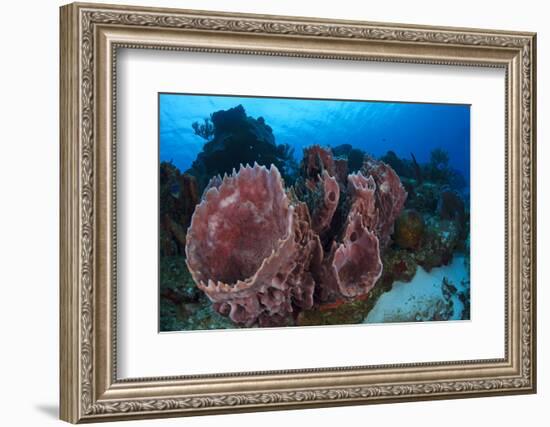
{"x": 353, "y": 156}
{"x": 441, "y": 240}
{"x": 399, "y": 265}
{"x": 402, "y": 167}
{"x": 179, "y": 194}
{"x": 424, "y": 197}
{"x": 409, "y": 229}
{"x": 249, "y": 248}
{"x": 450, "y": 206}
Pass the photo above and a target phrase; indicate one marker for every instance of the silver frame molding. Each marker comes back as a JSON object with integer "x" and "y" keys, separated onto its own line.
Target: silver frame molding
{"x": 90, "y": 37}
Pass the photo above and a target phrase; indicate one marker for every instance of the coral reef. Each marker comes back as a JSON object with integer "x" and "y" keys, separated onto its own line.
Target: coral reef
{"x": 439, "y": 171}
{"x": 320, "y": 240}
{"x": 450, "y": 206}
{"x": 353, "y": 156}
{"x": 183, "y": 306}
{"x": 423, "y": 196}
{"x": 440, "y": 241}
{"x": 409, "y": 229}
{"x": 234, "y": 138}
{"x": 399, "y": 265}
{"x": 179, "y": 195}
{"x": 341, "y": 238}
{"x": 430, "y": 233}
{"x": 402, "y": 167}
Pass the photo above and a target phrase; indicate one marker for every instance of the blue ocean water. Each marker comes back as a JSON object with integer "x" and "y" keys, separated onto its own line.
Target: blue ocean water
{"x": 374, "y": 127}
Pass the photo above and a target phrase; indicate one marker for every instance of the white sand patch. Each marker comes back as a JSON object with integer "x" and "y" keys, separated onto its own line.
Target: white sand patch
{"x": 421, "y": 297}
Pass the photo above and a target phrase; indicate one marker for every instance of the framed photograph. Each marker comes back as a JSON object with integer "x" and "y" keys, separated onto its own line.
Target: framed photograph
{"x": 267, "y": 212}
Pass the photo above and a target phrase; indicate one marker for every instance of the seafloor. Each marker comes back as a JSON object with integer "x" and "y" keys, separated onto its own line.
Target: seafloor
{"x": 441, "y": 294}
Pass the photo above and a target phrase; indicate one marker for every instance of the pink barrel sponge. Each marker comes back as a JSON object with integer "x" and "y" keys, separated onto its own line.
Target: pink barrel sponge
{"x": 244, "y": 244}
{"x": 262, "y": 253}
{"x": 390, "y": 196}
{"x": 354, "y": 266}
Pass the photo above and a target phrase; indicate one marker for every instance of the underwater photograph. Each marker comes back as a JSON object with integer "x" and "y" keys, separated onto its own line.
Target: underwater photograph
{"x": 277, "y": 212}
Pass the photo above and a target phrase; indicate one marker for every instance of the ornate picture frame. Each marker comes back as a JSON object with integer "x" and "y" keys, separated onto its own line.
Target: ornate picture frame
{"x": 91, "y": 36}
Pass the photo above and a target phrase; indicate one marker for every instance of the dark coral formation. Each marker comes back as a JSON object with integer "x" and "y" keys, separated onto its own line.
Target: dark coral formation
{"x": 353, "y": 156}
{"x": 233, "y": 138}
{"x": 179, "y": 194}
{"x": 401, "y": 167}
{"x": 409, "y": 229}
{"x": 262, "y": 254}
{"x": 204, "y": 130}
